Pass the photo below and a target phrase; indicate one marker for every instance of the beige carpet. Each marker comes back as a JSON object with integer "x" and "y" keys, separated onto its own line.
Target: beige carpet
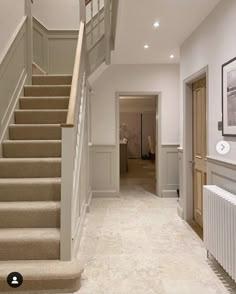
{"x": 30, "y": 188}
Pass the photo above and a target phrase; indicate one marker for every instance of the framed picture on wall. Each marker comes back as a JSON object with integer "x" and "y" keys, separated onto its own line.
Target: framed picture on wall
{"x": 229, "y": 98}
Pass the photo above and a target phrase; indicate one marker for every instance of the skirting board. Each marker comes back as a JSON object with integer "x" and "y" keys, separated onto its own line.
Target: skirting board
{"x": 90, "y": 195}
{"x": 170, "y": 170}
{"x": 79, "y": 230}
{"x": 169, "y": 193}
{"x": 180, "y": 211}
{"x": 105, "y": 194}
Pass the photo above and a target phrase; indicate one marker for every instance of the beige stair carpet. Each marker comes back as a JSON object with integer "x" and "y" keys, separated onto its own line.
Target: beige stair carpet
{"x": 30, "y": 188}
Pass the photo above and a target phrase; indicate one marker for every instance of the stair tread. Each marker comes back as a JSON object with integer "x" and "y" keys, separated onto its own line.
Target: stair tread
{"x": 29, "y": 234}
{"x": 30, "y": 180}
{"x": 52, "y": 75}
{"x": 47, "y": 86}
{"x": 41, "y": 269}
{"x": 41, "y": 110}
{"x": 30, "y": 141}
{"x": 30, "y": 189}
{"x": 35, "y": 159}
{"x": 45, "y": 97}
{"x": 32, "y": 205}
{"x": 34, "y": 125}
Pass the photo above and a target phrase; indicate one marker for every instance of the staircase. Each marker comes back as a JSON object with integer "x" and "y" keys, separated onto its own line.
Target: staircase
{"x": 30, "y": 190}
{"x": 44, "y": 168}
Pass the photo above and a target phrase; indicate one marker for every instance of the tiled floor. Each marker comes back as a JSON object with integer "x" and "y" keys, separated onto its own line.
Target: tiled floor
{"x": 142, "y": 173}
{"x": 136, "y": 244}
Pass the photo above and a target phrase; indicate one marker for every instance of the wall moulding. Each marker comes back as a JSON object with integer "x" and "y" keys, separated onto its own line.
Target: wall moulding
{"x": 221, "y": 173}
{"x": 13, "y": 76}
{"x": 54, "y": 50}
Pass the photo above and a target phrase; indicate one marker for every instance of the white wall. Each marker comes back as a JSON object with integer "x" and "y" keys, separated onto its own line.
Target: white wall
{"x": 11, "y": 13}
{"x": 134, "y": 78}
{"x": 57, "y": 14}
{"x": 138, "y": 104}
{"x": 212, "y": 44}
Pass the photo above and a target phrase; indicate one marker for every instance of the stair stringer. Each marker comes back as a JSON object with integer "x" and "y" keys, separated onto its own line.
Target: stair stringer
{"x": 98, "y": 72}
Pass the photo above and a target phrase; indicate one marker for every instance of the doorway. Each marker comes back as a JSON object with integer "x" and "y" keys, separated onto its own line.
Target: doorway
{"x": 137, "y": 127}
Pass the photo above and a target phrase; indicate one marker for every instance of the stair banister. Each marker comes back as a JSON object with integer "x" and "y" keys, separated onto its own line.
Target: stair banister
{"x": 70, "y": 144}
{"x": 108, "y": 31}
{"x": 73, "y": 131}
{"x": 74, "y": 86}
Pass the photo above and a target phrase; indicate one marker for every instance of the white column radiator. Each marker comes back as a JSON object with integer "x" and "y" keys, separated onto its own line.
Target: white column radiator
{"x": 219, "y": 217}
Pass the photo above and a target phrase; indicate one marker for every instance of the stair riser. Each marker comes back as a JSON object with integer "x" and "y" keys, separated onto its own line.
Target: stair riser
{"x": 45, "y": 91}
{"x": 30, "y": 192}
{"x": 30, "y": 169}
{"x": 51, "y": 80}
{"x": 29, "y": 250}
{"x": 36, "y": 218}
{"x": 47, "y": 117}
{"x": 35, "y": 133}
{"x": 31, "y": 150}
{"x": 44, "y": 103}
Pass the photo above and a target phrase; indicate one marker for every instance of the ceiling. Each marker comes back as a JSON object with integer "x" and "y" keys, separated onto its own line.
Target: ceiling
{"x": 178, "y": 19}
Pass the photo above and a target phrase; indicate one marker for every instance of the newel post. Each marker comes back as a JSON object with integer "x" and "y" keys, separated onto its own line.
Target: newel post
{"x": 67, "y": 170}
{"x": 29, "y": 40}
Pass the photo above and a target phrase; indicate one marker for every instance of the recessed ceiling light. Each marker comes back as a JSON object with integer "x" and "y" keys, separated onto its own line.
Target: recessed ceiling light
{"x": 172, "y": 56}
{"x": 146, "y": 46}
{"x": 156, "y": 24}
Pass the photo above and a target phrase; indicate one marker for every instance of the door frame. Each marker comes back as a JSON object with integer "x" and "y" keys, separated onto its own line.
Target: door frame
{"x": 158, "y": 96}
{"x": 188, "y": 138}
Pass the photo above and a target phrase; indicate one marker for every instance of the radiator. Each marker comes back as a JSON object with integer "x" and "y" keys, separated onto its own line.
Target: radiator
{"x": 219, "y": 217}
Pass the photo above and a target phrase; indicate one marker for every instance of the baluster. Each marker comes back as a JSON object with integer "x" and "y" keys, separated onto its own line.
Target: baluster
{"x": 99, "y": 19}
{"x": 91, "y": 25}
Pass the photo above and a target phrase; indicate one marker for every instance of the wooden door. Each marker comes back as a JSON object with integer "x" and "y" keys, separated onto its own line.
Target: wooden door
{"x": 199, "y": 147}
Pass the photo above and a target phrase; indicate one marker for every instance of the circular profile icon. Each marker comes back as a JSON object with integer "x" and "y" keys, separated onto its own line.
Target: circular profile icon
{"x": 15, "y": 280}
{"x": 223, "y": 147}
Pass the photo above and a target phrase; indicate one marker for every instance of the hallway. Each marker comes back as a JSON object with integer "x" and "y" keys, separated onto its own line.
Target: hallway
{"x": 141, "y": 174}
{"x": 136, "y": 244}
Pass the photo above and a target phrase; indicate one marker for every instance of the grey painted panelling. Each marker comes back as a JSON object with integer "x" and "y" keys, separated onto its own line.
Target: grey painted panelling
{"x": 103, "y": 168}
{"x": 12, "y": 76}
{"x": 54, "y": 51}
{"x": 222, "y": 174}
{"x": 96, "y": 56}
{"x": 38, "y": 47}
{"x": 170, "y": 170}
{"x": 61, "y": 55}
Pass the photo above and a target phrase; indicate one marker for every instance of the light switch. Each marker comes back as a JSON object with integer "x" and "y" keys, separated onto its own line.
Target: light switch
{"x": 220, "y": 125}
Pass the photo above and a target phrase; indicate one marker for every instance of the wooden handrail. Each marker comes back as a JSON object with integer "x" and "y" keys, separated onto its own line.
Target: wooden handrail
{"x": 74, "y": 86}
